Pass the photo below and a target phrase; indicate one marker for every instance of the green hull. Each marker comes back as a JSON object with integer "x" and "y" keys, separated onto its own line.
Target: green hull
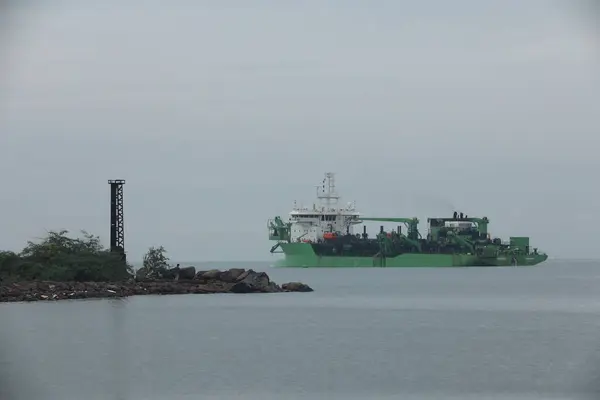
{"x": 301, "y": 255}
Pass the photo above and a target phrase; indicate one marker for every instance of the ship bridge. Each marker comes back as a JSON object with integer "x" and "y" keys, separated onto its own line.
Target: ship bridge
{"x": 325, "y": 215}
{"x": 459, "y": 222}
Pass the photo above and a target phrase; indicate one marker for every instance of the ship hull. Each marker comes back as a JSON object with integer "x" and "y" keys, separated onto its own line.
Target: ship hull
{"x": 302, "y": 255}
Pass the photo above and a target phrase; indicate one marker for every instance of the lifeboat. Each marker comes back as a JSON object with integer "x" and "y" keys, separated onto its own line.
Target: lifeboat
{"x": 329, "y": 235}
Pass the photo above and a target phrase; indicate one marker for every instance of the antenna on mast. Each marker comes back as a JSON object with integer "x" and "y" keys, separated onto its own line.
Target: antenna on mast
{"x": 328, "y": 193}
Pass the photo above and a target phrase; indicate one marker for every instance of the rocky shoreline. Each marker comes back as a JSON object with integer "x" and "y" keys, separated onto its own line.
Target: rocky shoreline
{"x": 234, "y": 280}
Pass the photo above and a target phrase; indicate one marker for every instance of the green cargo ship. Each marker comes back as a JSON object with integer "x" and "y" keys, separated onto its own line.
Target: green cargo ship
{"x": 322, "y": 236}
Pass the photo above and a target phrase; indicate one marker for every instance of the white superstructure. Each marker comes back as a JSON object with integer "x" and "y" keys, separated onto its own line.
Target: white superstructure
{"x": 310, "y": 224}
{"x": 460, "y": 225}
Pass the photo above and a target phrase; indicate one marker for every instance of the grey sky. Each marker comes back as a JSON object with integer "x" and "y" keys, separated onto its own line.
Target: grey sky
{"x": 219, "y": 114}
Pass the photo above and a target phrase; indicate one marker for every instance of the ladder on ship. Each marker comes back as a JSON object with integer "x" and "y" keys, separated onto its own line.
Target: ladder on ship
{"x": 379, "y": 260}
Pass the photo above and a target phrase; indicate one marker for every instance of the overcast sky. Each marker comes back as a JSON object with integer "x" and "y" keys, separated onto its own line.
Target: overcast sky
{"x": 219, "y": 114}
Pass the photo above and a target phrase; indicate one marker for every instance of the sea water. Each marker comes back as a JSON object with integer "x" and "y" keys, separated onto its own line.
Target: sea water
{"x": 460, "y": 333}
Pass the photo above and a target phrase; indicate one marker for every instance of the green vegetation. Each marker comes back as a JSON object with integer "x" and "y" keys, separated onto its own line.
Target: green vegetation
{"x": 58, "y": 257}
{"x": 156, "y": 260}
{"x": 156, "y": 265}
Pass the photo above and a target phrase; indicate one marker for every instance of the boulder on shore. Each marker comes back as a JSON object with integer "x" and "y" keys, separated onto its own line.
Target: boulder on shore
{"x": 175, "y": 281}
{"x": 296, "y": 287}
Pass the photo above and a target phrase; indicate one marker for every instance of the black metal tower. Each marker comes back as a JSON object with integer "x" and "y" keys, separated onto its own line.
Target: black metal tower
{"x": 117, "y": 230}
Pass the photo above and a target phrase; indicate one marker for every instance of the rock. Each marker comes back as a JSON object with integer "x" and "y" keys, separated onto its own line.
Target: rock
{"x": 251, "y": 281}
{"x": 212, "y": 274}
{"x": 141, "y": 274}
{"x": 274, "y": 288}
{"x": 173, "y": 281}
{"x": 199, "y": 275}
{"x": 145, "y": 273}
{"x": 187, "y": 273}
{"x": 171, "y": 274}
{"x": 296, "y": 287}
{"x": 231, "y": 275}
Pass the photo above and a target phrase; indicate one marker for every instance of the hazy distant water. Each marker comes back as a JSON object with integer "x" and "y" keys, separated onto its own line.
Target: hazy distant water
{"x": 369, "y": 334}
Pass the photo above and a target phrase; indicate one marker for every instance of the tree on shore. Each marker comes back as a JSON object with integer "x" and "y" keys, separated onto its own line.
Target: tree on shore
{"x": 59, "y": 257}
{"x": 155, "y": 264}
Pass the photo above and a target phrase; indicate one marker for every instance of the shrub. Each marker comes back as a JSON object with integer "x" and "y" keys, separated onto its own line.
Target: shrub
{"x": 58, "y": 257}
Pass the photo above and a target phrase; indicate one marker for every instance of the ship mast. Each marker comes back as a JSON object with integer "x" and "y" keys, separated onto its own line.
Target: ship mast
{"x": 328, "y": 195}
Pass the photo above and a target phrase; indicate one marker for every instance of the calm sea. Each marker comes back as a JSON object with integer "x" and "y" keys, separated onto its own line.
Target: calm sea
{"x": 498, "y": 333}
